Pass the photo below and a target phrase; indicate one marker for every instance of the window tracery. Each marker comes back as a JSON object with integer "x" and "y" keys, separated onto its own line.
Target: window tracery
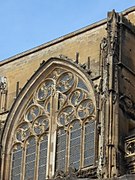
{"x": 61, "y": 103}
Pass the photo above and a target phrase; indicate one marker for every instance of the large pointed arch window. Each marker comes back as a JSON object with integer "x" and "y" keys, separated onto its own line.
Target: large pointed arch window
{"x": 56, "y": 127}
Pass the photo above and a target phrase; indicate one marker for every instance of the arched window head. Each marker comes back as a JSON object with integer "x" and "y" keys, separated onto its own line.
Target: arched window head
{"x": 52, "y": 122}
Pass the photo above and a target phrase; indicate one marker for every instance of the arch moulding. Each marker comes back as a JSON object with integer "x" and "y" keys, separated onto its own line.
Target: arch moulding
{"x": 24, "y": 97}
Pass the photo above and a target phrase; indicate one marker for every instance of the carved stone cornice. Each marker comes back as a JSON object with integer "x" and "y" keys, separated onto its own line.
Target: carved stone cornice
{"x": 128, "y": 106}
{"x": 87, "y": 173}
{"x": 130, "y": 153}
{"x": 73, "y": 174}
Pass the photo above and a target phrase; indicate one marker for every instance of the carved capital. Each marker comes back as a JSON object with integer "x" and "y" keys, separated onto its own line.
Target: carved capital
{"x": 128, "y": 106}
{"x": 87, "y": 173}
{"x": 73, "y": 174}
{"x": 70, "y": 175}
{"x": 104, "y": 51}
{"x": 130, "y": 154}
{"x": 3, "y": 83}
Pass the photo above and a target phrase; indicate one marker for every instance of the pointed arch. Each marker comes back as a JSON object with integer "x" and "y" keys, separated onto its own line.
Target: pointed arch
{"x": 33, "y": 105}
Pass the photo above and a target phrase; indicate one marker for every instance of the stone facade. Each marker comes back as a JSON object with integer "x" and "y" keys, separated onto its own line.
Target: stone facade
{"x": 84, "y": 79}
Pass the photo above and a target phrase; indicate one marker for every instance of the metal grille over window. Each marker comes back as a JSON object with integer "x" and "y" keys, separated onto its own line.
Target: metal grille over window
{"x": 61, "y": 150}
{"x": 75, "y": 144}
{"x": 16, "y": 163}
{"x": 30, "y": 159}
{"x": 43, "y": 157}
{"x": 89, "y": 150}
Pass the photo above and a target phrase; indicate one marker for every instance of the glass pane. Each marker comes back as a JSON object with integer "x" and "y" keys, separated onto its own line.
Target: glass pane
{"x": 65, "y": 82}
{"x": 32, "y": 112}
{"x": 22, "y": 131}
{"x": 45, "y": 89}
{"x": 75, "y": 144}
{"x": 82, "y": 85}
{"x": 89, "y": 151}
{"x": 61, "y": 150}
{"x": 41, "y": 124}
{"x": 30, "y": 159}
{"x": 86, "y": 108}
{"x": 17, "y": 177}
{"x": 41, "y": 175}
{"x": 16, "y": 163}
{"x": 43, "y": 158}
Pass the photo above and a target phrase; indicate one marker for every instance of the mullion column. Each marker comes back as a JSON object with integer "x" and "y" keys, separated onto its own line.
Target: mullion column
{"x": 52, "y": 134}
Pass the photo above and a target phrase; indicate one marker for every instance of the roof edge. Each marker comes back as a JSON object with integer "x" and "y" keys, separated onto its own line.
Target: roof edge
{"x": 62, "y": 38}
{"x": 53, "y": 42}
{"x": 128, "y": 11}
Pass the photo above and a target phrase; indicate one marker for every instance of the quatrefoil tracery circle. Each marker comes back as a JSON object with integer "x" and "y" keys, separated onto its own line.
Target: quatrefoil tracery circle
{"x": 22, "y": 132}
{"x": 66, "y": 115}
{"x": 65, "y": 82}
{"x": 45, "y": 89}
{"x": 77, "y": 96}
{"x": 32, "y": 112}
{"x": 85, "y": 108}
{"x": 72, "y": 97}
{"x": 41, "y": 124}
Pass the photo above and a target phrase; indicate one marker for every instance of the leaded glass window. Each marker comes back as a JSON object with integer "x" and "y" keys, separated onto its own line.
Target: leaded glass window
{"x": 89, "y": 150}
{"x": 30, "y": 159}
{"x": 43, "y": 157}
{"x": 75, "y": 144}
{"x": 16, "y": 162}
{"x": 56, "y": 128}
{"x": 32, "y": 134}
{"x": 61, "y": 150}
{"x": 77, "y": 116}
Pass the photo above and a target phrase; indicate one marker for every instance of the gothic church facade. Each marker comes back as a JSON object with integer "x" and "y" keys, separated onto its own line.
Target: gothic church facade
{"x": 67, "y": 107}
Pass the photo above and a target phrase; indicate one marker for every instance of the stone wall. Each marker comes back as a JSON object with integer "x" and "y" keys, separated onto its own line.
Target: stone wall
{"x": 20, "y": 69}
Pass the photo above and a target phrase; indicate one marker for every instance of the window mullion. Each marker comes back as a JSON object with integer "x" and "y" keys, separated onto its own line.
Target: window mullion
{"x": 68, "y": 142}
{"x": 82, "y": 146}
{"x": 52, "y": 134}
{"x": 67, "y": 149}
{"x": 11, "y": 164}
{"x": 49, "y": 141}
{"x": 23, "y": 162}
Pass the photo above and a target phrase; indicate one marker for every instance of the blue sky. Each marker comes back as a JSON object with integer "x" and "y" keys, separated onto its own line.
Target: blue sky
{"x": 25, "y": 24}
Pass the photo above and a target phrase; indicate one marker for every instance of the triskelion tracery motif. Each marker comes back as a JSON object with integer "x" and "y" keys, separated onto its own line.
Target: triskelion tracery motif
{"x": 61, "y": 103}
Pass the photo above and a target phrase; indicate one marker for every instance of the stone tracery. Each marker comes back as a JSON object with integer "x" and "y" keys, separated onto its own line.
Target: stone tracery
{"x": 60, "y": 101}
